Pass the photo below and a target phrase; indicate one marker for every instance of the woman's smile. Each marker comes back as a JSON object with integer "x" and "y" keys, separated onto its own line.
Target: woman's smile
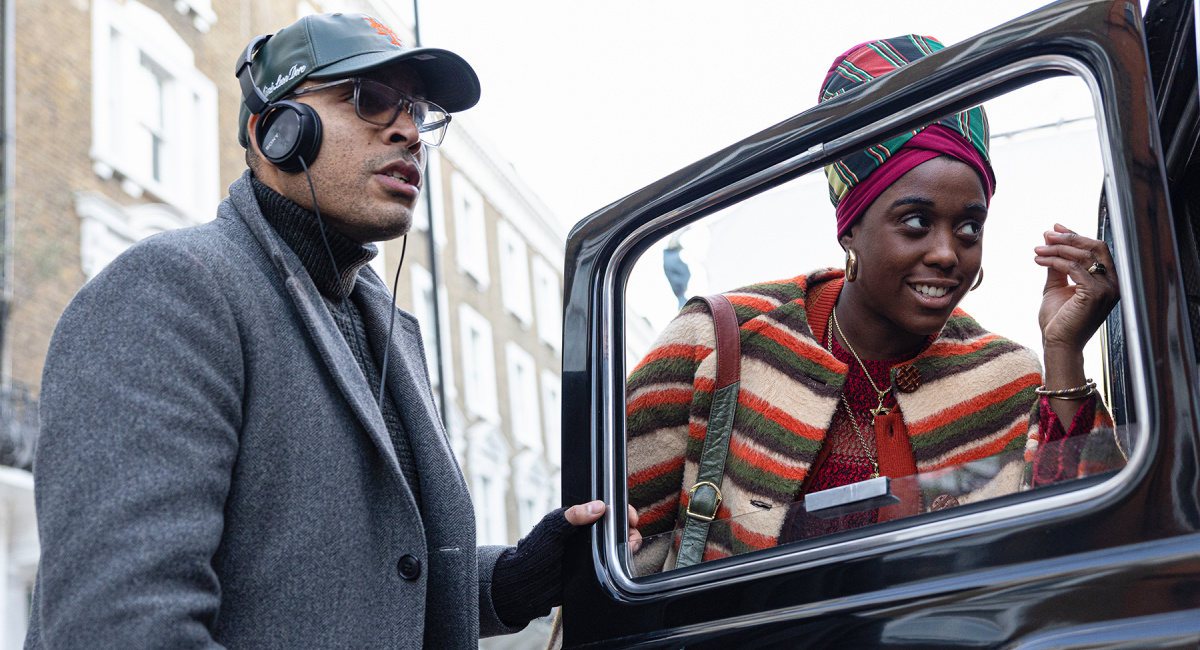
{"x": 934, "y": 294}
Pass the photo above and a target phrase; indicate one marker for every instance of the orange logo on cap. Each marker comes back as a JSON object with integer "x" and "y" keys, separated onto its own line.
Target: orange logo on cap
{"x": 384, "y": 31}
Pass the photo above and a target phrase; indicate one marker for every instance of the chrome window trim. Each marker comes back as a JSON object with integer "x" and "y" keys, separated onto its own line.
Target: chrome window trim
{"x": 607, "y": 552}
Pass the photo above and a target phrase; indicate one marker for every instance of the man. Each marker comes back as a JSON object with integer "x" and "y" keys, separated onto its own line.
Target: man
{"x": 223, "y": 460}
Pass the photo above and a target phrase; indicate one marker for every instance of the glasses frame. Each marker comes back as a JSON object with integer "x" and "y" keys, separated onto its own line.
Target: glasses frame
{"x": 431, "y": 134}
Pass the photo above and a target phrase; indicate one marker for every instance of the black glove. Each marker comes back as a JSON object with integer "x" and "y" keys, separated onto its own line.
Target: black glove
{"x": 527, "y": 578}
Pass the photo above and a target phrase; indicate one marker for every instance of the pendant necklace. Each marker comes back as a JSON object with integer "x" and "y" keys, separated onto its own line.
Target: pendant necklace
{"x": 858, "y": 434}
{"x": 878, "y": 410}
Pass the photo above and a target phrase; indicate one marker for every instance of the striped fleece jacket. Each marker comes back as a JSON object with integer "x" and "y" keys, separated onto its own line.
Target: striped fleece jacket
{"x": 976, "y": 399}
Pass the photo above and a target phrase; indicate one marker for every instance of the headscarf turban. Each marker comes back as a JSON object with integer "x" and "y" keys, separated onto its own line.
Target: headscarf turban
{"x": 858, "y": 179}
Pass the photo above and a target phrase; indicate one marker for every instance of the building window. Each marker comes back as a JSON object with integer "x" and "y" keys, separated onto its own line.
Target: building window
{"x": 203, "y": 17}
{"x": 479, "y": 365}
{"x": 487, "y": 463}
{"x": 430, "y": 200}
{"x": 470, "y": 229}
{"x": 548, "y": 297}
{"x": 527, "y": 512}
{"x": 552, "y": 415}
{"x": 532, "y": 486}
{"x": 514, "y": 273}
{"x": 423, "y": 310}
{"x": 107, "y": 228}
{"x": 523, "y": 397}
{"x": 154, "y": 115}
{"x": 152, "y": 80}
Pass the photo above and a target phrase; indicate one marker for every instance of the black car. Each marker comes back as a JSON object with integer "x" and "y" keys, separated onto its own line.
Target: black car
{"x": 1110, "y": 559}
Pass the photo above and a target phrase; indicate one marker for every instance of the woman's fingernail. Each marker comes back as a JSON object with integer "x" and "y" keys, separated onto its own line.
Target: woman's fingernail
{"x": 595, "y": 507}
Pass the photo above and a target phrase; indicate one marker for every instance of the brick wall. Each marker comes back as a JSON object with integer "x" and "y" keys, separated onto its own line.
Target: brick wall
{"x": 54, "y": 137}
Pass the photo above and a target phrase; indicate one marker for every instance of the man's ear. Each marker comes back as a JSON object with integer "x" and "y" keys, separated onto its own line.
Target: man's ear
{"x": 252, "y": 131}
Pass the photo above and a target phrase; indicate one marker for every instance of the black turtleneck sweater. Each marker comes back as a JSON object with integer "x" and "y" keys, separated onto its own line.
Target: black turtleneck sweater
{"x": 299, "y": 230}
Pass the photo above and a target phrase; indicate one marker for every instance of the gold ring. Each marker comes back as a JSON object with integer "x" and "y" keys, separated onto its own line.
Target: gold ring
{"x": 1097, "y": 269}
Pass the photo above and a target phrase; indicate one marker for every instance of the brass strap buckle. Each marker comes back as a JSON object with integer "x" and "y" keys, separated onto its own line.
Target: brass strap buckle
{"x": 691, "y": 498}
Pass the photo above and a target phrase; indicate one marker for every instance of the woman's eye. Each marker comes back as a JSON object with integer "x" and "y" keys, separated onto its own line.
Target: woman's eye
{"x": 915, "y": 221}
{"x": 970, "y": 228}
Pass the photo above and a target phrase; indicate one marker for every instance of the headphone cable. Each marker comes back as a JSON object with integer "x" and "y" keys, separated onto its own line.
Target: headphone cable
{"x": 387, "y": 346}
{"x": 391, "y": 321}
{"x": 320, "y": 221}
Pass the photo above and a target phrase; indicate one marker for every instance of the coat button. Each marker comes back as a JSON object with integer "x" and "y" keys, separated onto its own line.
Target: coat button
{"x": 409, "y": 567}
{"x": 944, "y": 501}
{"x": 908, "y": 378}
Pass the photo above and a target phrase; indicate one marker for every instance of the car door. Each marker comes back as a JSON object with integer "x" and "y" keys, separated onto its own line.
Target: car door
{"x": 1109, "y": 557}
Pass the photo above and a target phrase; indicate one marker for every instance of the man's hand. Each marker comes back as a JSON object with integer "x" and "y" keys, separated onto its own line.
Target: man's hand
{"x": 526, "y": 581}
{"x": 587, "y": 513}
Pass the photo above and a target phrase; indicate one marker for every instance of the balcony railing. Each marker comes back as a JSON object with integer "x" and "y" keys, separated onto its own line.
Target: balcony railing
{"x": 18, "y": 426}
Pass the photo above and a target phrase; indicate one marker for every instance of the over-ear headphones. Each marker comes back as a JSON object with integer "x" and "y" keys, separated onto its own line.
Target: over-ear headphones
{"x": 289, "y": 133}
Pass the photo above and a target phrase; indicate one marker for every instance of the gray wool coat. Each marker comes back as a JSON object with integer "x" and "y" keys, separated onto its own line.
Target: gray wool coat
{"x": 213, "y": 471}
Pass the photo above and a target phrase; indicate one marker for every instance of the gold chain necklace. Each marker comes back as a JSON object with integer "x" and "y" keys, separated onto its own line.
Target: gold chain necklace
{"x": 878, "y": 410}
{"x": 858, "y": 434}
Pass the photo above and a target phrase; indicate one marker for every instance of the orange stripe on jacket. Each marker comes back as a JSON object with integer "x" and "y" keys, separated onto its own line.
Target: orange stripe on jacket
{"x": 656, "y": 514}
{"x": 660, "y": 398}
{"x": 975, "y": 453}
{"x": 758, "y": 304}
{"x": 655, "y": 471}
{"x": 761, "y": 460}
{"x": 751, "y": 538}
{"x": 802, "y": 348}
{"x": 962, "y": 409}
{"x": 675, "y": 350}
{"x": 763, "y": 408}
{"x": 949, "y": 348}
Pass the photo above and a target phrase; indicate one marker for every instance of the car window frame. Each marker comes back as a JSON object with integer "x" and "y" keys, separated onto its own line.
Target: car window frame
{"x": 1152, "y": 519}
{"x": 1021, "y": 509}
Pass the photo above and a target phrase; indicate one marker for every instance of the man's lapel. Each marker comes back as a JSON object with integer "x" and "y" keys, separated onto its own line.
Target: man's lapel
{"x": 330, "y": 344}
{"x": 408, "y": 385}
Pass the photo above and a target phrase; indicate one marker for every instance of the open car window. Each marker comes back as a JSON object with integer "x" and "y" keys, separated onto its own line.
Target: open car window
{"x": 974, "y": 429}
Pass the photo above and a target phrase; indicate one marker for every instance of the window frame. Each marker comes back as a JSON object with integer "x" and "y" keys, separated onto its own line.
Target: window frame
{"x": 548, "y": 305}
{"x": 421, "y": 282}
{"x": 123, "y": 36}
{"x": 531, "y": 484}
{"x": 1008, "y": 512}
{"x": 470, "y": 230}
{"x": 551, "y": 384}
{"x": 523, "y": 400}
{"x": 487, "y": 462}
{"x": 516, "y": 292}
{"x": 201, "y": 11}
{"x": 480, "y": 399}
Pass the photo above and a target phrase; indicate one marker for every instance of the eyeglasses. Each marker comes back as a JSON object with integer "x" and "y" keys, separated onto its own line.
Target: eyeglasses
{"x": 378, "y": 104}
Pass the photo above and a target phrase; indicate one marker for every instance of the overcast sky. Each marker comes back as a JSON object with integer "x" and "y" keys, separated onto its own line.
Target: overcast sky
{"x": 593, "y": 100}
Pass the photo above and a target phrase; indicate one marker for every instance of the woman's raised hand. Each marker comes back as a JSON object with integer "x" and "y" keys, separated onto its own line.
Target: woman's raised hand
{"x": 1071, "y": 313}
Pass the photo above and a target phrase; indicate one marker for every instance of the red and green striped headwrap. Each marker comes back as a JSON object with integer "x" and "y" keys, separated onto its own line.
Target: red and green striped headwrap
{"x": 963, "y": 136}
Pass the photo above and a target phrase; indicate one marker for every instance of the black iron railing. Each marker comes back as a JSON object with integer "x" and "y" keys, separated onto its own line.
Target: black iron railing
{"x": 18, "y": 426}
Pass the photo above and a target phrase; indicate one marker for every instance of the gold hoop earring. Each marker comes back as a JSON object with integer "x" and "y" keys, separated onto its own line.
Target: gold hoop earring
{"x": 851, "y": 265}
{"x": 978, "y": 279}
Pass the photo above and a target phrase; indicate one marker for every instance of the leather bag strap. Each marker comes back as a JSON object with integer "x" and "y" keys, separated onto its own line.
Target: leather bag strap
{"x": 705, "y": 496}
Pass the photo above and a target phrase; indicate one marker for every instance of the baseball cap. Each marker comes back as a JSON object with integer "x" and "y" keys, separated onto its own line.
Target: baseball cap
{"x": 335, "y": 46}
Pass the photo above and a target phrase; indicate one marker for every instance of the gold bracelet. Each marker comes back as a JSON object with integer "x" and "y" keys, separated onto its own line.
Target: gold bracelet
{"x": 1079, "y": 392}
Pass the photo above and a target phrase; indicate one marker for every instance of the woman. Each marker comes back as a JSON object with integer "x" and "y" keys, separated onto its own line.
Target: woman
{"x": 847, "y": 375}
